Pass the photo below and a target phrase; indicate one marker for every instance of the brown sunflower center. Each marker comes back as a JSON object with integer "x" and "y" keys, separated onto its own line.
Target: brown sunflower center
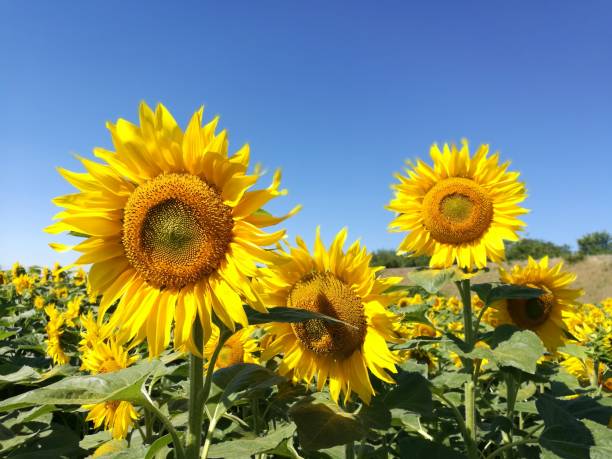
{"x": 176, "y": 230}
{"x": 533, "y": 312}
{"x": 326, "y": 294}
{"x": 457, "y": 210}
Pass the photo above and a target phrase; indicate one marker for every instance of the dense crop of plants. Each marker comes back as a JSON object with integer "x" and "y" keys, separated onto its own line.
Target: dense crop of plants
{"x": 198, "y": 332}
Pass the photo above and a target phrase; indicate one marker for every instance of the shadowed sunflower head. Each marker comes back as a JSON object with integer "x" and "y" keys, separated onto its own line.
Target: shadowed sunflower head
{"x": 173, "y": 229}
{"x": 546, "y": 315}
{"x": 460, "y": 210}
{"x": 340, "y": 284}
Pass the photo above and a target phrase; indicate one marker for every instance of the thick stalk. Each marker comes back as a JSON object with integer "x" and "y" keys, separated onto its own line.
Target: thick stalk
{"x": 196, "y": 374}
{"x": 470, "y": 386}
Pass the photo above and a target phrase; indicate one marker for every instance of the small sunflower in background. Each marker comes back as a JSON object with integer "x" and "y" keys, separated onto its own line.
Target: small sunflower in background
{"x": 55, "y": 330}
{"x": 174, "y": 230}
{"x": 241, "y": 347}
{"x": 546, "y": 314}
{"x": 341, "y": 285}
{"x": 116, "y": 416}
{"x": 461, "y": 209}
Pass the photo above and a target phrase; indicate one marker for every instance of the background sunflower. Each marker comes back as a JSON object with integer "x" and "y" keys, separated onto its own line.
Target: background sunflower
{"x": 460, "y": 210}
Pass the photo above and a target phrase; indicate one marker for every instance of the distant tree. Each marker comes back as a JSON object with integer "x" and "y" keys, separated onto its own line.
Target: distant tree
{"x": 389, "y": 259}
{"x": 595, "y": 243}
{"x": 536, "y": 248}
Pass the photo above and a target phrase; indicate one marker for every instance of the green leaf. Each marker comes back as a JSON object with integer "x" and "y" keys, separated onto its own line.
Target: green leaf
{"x": 24, "y": 374}
{"x": 490, "y": 293}
{"x": 521, "y": 351}
{"x": 247, "y": 447}
{"x": 415, "y": 313}
{"x": 322, "y": 425}
{"x": 411, "y": 392}
{"x": 286, "y": 315}
{"x": 432, "y": 280}
{"x": 575, "y": 350}
{"x": 59, "y": 441}
{"x": 81, "y": 390}
{"x": 95, "y": 440}
{"x": 603, "y": 440}
{"x": 414, "y": 447}
{"x": 158, "y": 445}
{"x": 232, "y": 383}
{"x": 563, "y": 435}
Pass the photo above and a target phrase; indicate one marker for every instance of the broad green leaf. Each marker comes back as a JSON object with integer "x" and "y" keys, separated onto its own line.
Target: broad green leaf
{"x": 411, "y": 392}
{"x": 564, "y": 435}
{"x": 414, "y": 313}
{"x": 490, "y": 293}
{"x": 158, "y": 446}
{"x": 323, "y": 425}
{"x": 246, "y": 447}
{"x": 521, "y": 351}
{"x": 59, "y": 441}
{"x": 237, "y": 381}
{"x": 415, "y": 447}
{"x": 24, "y": 374}
{"x": 432, "y": 280}
{"x": 80, "y": 390}
{"x": 95, "y": 440}
{"x": 286, "y": 315}
{"x": 451, "y": 380}
{"x": 603, "y": 440}
{"x": 574, "y": 350}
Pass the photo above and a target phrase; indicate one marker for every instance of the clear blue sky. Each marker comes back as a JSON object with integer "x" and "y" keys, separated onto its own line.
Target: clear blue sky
{"x": 338, "y": 94}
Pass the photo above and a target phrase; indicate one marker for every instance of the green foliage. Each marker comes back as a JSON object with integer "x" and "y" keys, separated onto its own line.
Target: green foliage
{"x": 595, "y": 243}
{"x": 536, "y": 248}
{"x": 390, "y": 259}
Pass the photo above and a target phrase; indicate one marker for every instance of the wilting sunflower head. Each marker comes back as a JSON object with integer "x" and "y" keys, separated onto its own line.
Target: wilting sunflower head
{"x": 174, "y": 230}
{"x": 547, "y": 314}
{"x": 342, "y": 285}
{"x": 460, "y": 210}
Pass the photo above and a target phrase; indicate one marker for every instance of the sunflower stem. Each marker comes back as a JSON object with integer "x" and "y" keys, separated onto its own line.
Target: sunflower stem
{"x": 224, "y": 334}
{"x": 196, "y": 373}
{"x": 179, "y": 451}
{"x": 470, "y": 386}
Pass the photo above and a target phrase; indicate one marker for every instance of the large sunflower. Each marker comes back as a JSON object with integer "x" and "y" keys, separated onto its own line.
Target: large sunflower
{"x": 460, "y": 210}
{"x": 545, "y": 315}
{"x": 341, "y": 285}
{"x": 171, "y": 227}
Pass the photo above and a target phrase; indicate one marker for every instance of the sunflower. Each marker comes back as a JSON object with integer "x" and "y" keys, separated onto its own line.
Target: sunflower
{"x": 241, "y": 347}
{"x": 545, "y": 315}
{"x": 39, "y": 302}
{"x": 116, "y": 415}
{"x": 23, "y": 283}
{"x": 55, "y": 331}
{"x": 173, "y": 229}
{"x": 92, "y": 331}
{"x": 72, "y": 310}
{"x": 341, "y": 285}
{"x": 460, "y": 210}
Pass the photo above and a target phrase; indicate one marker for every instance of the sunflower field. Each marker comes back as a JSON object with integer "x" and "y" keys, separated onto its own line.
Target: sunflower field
{"x": 190, "y": 325}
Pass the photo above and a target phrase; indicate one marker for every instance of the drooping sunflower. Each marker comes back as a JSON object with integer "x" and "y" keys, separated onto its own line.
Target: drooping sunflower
{"x": 460, "y": 210}
{"x": 241, "y": 347}
{"x": 117, "y": 416}
{"x": 173, "y": 228}
{"x": 545, "y": 315}
{"x": 341, "y": 285}
{"x": 55, "y": 330}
